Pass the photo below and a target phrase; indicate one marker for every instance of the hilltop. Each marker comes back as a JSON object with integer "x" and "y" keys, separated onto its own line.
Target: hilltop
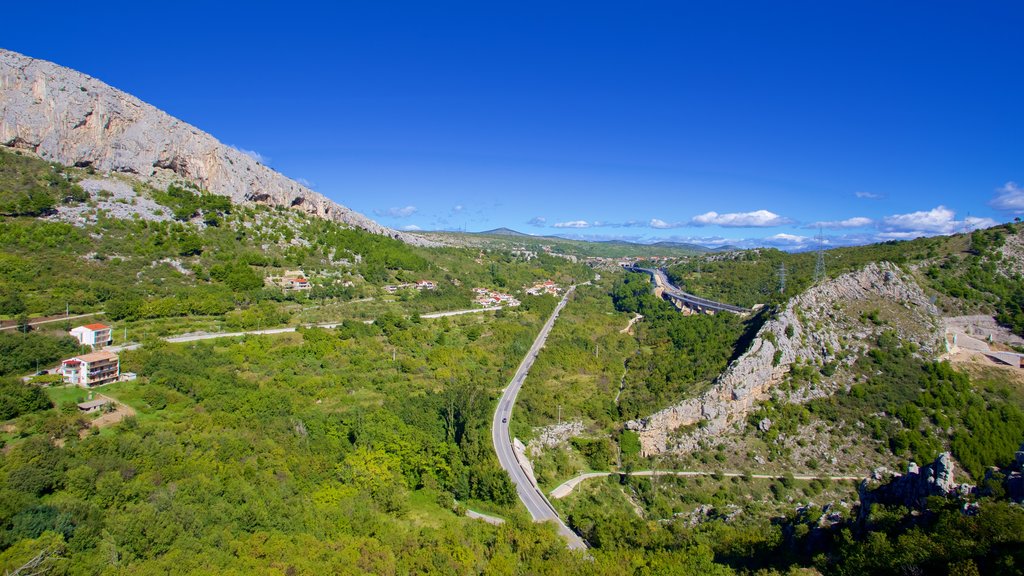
{"x": 73, "y": 119}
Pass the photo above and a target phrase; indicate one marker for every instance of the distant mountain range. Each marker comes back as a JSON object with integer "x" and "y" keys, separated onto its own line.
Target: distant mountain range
{"x": 508, "y": 232}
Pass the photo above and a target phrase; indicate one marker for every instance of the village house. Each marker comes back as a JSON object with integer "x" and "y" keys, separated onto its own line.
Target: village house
{"x": 91, "y": 369}
{"x": 290, "y": 280}
{"x": 545, "y": 287}
{"x": 488, "y": 298}
{"x": 295, "y": 280}
{"x": 93, "y": 405}
{"x": 93, "y": 335}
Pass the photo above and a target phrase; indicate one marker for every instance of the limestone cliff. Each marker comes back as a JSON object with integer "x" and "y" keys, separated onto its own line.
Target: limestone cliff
{"x": 822, "y": 325}
{"x": 71, "y": 118}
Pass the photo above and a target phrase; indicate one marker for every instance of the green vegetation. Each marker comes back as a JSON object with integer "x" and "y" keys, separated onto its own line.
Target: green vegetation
{"x": 20, "y": 353}
{"x": 915, "y": 409}
{"x": 678, "y": 353}
{"x": 345, "y": 450}
{"x": 32, "y": 187}
{"x": 967, "y": 268}
{"x": 978, "y": 278}
{"x": 17, "y": 398}
{"x": 186, "y": 202}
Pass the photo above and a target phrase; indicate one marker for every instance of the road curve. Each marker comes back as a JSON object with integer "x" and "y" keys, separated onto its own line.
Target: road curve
{"x": 539, "y": 507}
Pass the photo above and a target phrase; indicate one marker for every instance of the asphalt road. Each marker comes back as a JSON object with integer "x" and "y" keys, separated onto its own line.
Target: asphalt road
{"x": 539, "y": 507}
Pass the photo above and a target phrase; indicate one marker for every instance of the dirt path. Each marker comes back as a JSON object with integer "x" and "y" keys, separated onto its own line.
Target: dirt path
{"x": 121, "y": 411}
{"x": 566, "y": 488}
{"x": 12, "y": 324}
{"x": 629, "y": 327}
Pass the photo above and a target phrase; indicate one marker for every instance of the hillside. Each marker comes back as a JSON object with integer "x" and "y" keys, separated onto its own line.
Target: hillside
{"x": 355, "y": 432}
{"x": 73, "y": 119}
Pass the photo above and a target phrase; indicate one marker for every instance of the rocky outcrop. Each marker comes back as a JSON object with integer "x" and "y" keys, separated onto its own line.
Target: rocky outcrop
{"x": 914, "y": 487}
{"x": 71, "y": 118}
{"x": 814, "y": 328}
{"x": 554, "y": 435}
{"x": 1013, "y": 477}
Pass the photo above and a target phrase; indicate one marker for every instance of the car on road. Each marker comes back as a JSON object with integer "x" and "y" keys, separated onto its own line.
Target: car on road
{"x": 504, "y": 420}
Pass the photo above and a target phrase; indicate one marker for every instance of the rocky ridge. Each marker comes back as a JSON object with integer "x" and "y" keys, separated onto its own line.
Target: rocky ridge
{"x": 914, "y": 487}
{"x": 816, "y": 328}
{"x": 71, "y": 118}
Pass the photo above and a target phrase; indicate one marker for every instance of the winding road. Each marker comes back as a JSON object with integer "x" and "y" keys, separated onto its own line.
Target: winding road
{"x": 535, "y": 501}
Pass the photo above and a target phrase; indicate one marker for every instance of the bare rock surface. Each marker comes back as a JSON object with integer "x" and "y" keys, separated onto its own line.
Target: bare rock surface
{"x": 554, "y": 435}
{"x": 71, "y": 118}
{"x": 914, "y": 487}
{"x": 115, "y": 197}
{"x": 815, "y": 328}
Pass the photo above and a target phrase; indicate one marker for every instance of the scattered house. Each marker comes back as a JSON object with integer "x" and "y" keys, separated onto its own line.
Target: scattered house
{"x": 93, "y": 405}
{"x": 295, "y": 280}
{"x": 419, "y": 285}
{"x": 486, "y": 298}
{"x": 91, "y": 369}
{"x": 290, "y": 280}
{"x": 93, "y": 335}
{"x": 545, "y": 287}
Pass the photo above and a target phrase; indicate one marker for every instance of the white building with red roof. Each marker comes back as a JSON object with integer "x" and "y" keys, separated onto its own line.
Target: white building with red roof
{"x": 93, "y": 335}
{"x": 91, "y": 369}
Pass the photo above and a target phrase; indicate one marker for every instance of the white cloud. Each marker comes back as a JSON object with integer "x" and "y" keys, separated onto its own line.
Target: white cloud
{"x": 458, "y": 208}
{"x": 572, "y": 224}
{"x": 397, "y": 212}
{"x": 755, "y": 219}
{"x": 538, "y": 221}
{"x": 938, "y": 220}
{"x": 855, "y": 222}
{"x": 788, "y": 238}
{"x": 1009, "y": 198}
{"x": 661, "y": 224}
{"x": 867, "y": 195}
{"x": 975, "y": 223}
{"x": 411, "y": 228}
{"x": 253, "y": 154}
{"x": 305, "y": 183}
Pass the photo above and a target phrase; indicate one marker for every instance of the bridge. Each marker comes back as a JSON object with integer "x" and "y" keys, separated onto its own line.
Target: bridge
{"x": 666, "y": 289}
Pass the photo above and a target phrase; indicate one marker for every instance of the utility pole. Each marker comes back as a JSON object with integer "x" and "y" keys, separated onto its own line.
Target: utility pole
{"x": 559, "y": 414}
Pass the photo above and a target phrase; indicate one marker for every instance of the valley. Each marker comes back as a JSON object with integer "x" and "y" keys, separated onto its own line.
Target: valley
{"x": 301, "y": 390}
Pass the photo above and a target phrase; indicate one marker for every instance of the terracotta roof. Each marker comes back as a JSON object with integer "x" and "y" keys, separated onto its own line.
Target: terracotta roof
{"x": 96, "y": 356}
{"x": 71, "y": 361}
{"x": 95, "y": 327}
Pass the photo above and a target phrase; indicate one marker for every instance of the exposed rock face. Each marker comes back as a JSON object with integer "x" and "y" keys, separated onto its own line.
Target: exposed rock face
{"x": 809, "y": 329}
{"x": 914, "y": 487}
{"x": 70, "y": 118}
{"x": 1015, "y": 478}
{"x": 554, "y": 435}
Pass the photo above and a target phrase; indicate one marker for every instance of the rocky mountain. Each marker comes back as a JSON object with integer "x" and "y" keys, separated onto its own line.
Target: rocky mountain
{"x": 830, "y": 323}
{"x": 71, "y": 118}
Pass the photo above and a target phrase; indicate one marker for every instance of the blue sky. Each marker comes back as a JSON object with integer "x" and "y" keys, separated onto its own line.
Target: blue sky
{"x": 738, "y": 122}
